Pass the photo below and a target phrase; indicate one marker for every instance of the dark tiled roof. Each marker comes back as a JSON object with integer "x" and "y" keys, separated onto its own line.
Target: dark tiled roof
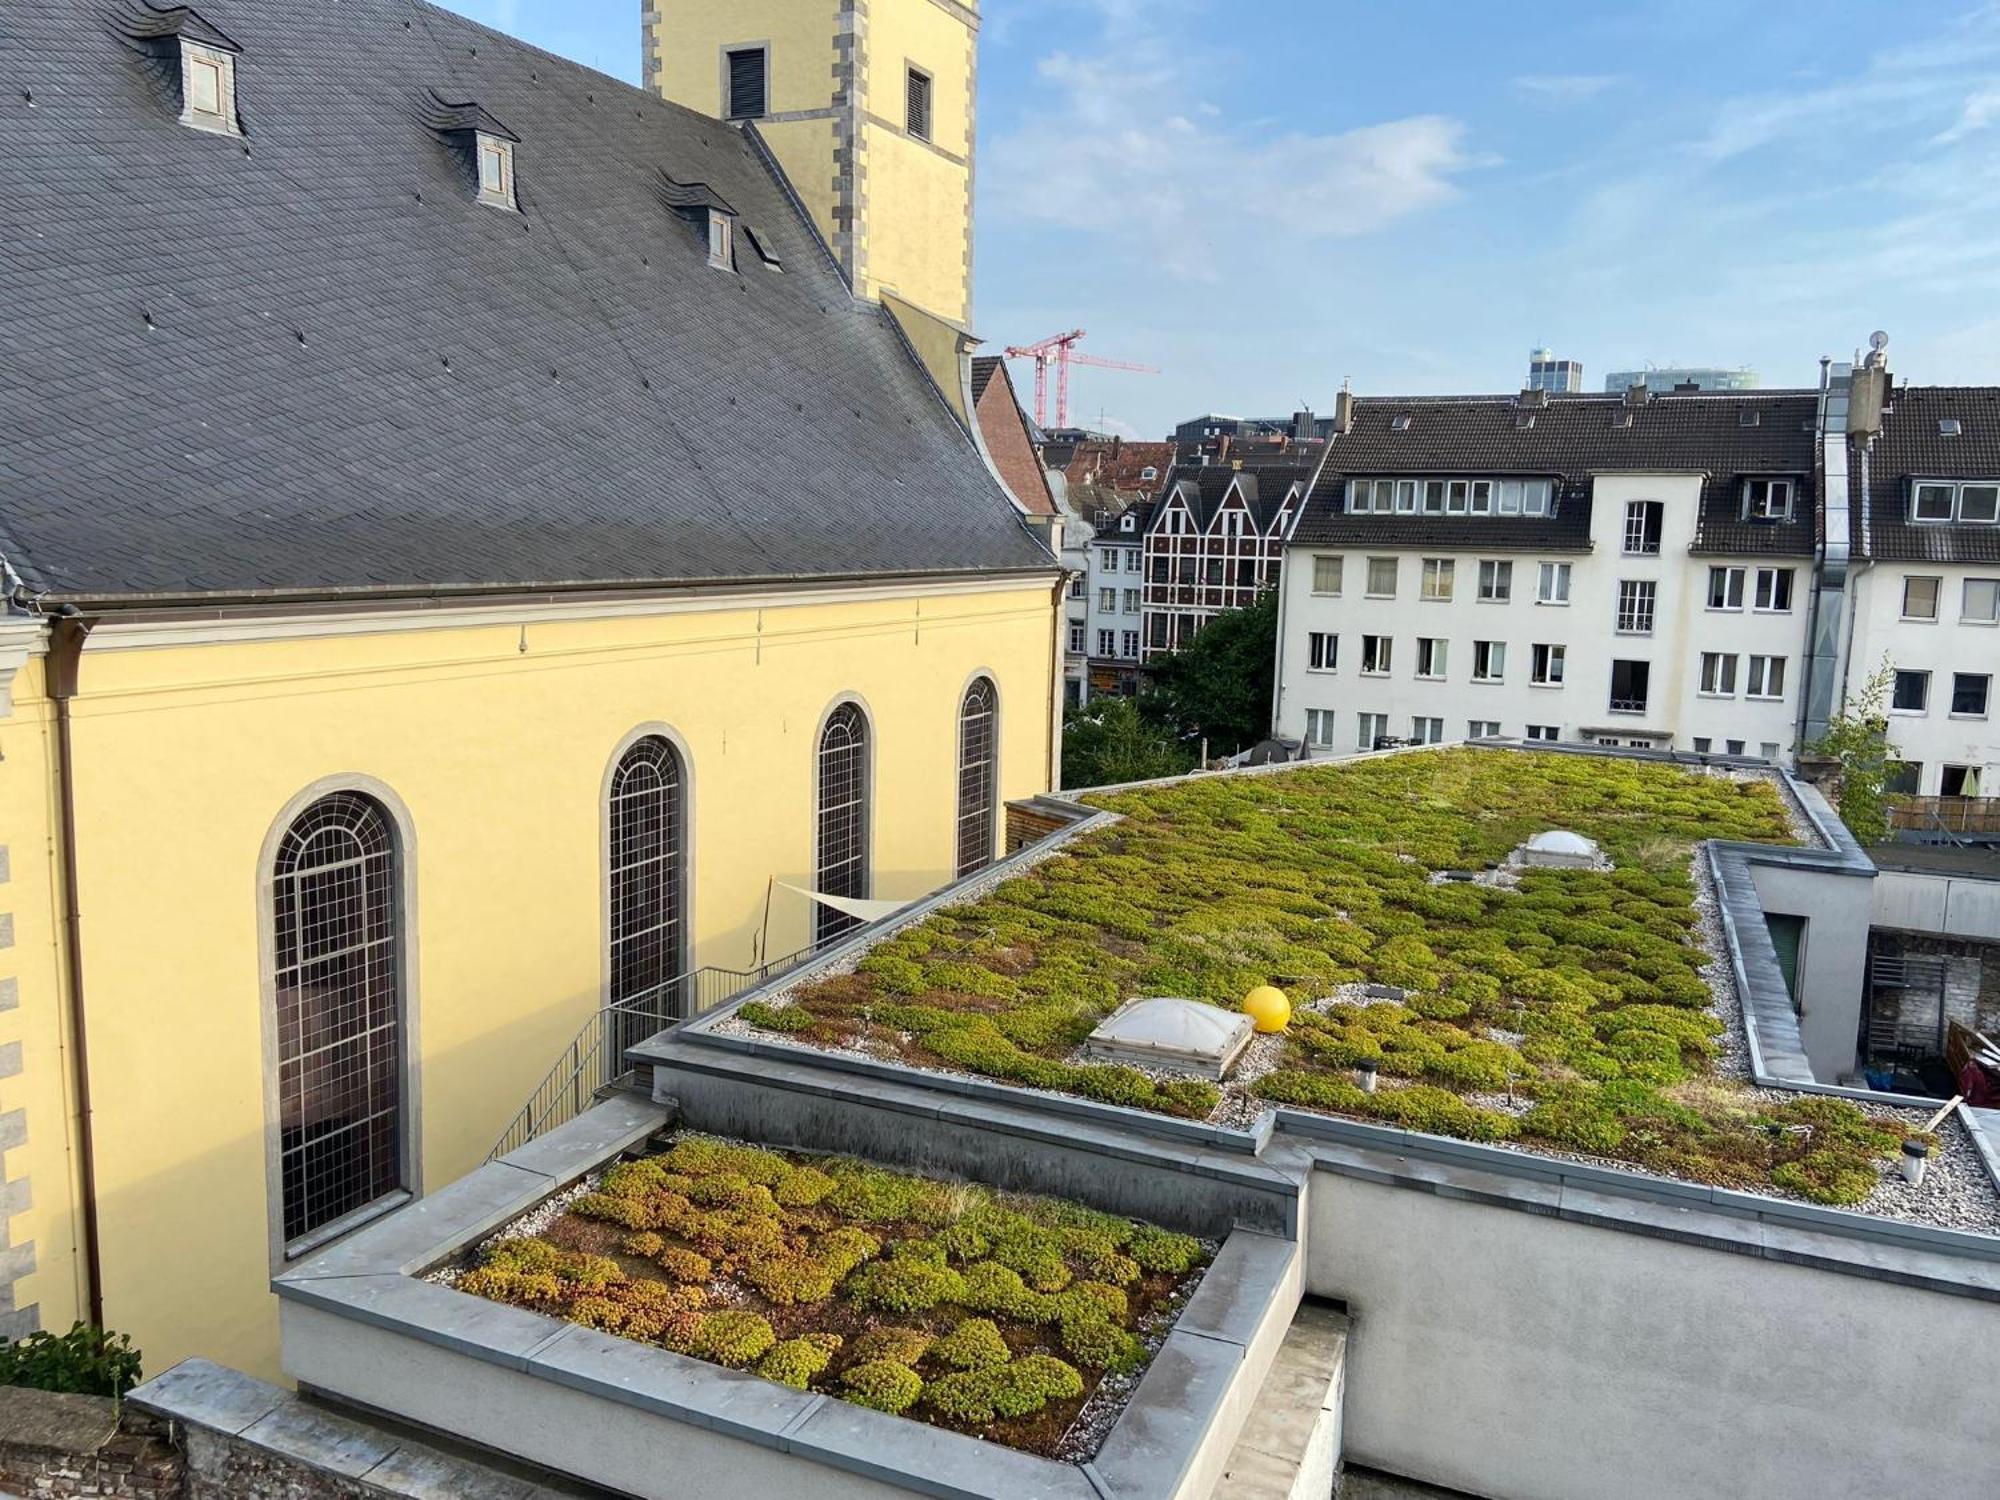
{"x": 309, "y": 360}
{"x": 1264, "y": 488}
{"x": 1570, "y": 439}
{"x": 983, "y": 370}
{"x": 1912, "y": 446}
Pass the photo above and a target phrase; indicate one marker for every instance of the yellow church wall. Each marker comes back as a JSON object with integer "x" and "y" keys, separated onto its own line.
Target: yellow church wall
{"x": 691, "y": 35}
{"x": 804, "y": 149}
{"x": 37, "y": 1108}
{"x": 496, "y": 740}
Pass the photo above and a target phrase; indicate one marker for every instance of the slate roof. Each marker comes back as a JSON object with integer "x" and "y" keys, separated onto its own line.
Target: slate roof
{"x": 1570, "y": 439}
{"x": 1911, "y": 446}
{"x": 1264, "y": 489}
{"x": 308, "y": 360}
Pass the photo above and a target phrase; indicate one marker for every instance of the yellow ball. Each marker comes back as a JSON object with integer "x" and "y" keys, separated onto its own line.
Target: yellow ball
{"x": 1268, "y": 1007}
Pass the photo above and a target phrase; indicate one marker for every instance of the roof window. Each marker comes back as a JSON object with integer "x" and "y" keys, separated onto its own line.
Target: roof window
{"x": 1400, "y": 422}
{"x": 1950, "y": 427}
{"x": 496, "y": 171}
{"x": 721, "y": 240}
{"x": 1749, "y": 416}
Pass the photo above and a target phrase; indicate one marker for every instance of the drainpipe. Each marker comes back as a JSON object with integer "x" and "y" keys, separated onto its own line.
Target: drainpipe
{"x": 65, "y": 657}
{"x": 1058, "y": 654}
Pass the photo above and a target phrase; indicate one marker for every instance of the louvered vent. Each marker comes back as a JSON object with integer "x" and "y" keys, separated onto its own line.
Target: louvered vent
{"x": 747, "y": 84}
{"x": 920, "y": 105}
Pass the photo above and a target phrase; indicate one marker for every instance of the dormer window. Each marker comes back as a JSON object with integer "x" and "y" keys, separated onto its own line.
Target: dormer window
{"x": 208, "y": 88}
{"x": 721, "y": 241}
{"x": 1125, "y": 524}
{"x": 1767, "y": 499}
{"x": 479, "y": 142}
{"x": 1149, "y": 472}
{"x": 496, "y": 171}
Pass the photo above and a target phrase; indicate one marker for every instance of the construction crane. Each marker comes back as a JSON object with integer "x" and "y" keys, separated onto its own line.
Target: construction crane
{"x": 1061, "y": 352}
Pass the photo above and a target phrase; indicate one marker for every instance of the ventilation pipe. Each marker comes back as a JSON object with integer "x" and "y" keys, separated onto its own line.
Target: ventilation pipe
{"x": 1825, "y": 645}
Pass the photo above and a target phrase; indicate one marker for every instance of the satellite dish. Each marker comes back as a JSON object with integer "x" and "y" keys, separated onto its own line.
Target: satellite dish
{"x": 1878, "y": 340}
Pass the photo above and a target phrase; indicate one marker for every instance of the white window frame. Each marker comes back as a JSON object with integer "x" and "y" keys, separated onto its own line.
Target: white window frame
{"x": 1426, "y": 729}
{"x": 1552, "y": 584}
{"x": 1439, "y": 580}
{"x": 721, "y": 241}
{"x": 1319, "y": 728}
{"x": 1763, "y": 598}
{"x": 1482, "y": 729}
{"x": 1953, "y": 494}
{"x": 1986, "y": 695}
{"x": 1937, "y": 596}
{"x": 1637, "y": 513}
{"x": 1496, "y": 580}
{"x": 1638, "y": 611}
{"x": 1965, "y": 614}
{"x": 1718, "y": 674}
{"x": 198, "y": 61}
{"x": 1378, "y": 653}
{"x": 1489, "y": 661}
{"x": 1128, "y": 645}
{"x": 1394, "y": 565}
{"x": 1329, "y": 565}
{"x": 1322, "y": 651}
{"x": 1078, "y": 638}
{"x": 1767, "y": 499}
{"x": 1546, "y": 734}
{"x": 1732, "y": 581}
{"x": 1548, "y": 661}
{"x": 1107, "y": 601}
{"x": 1433, "y": 656}
{"x": 1920, "y": 675}
{"x": 1369, "y": 729}
{"x": 1766, "y": 678}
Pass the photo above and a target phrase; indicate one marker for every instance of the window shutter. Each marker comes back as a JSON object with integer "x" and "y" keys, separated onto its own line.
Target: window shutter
{"x": 746, "y": 84}
{"x": 920, "y": 105}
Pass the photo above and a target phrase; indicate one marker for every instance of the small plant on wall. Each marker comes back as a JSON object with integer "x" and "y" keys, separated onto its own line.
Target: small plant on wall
{"x": 85, "y": 1361}
{"x": 1857, "y": 739}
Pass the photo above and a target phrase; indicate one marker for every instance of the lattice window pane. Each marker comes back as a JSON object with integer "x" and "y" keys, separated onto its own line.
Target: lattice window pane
{"x": 340, "y": 1012}
{"x": 648, "y": 818}
{"x": 977, "y": 724}
{"x": 841, "y": 867}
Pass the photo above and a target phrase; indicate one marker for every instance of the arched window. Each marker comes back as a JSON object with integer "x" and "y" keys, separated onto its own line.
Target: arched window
{"x": 337, "y": 923}
{"x": 841, "y": 863}
{"x": 978, "y": 716}
{"x": 648, "y": 820}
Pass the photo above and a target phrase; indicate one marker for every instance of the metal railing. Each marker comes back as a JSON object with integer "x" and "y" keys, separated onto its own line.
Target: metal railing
{"x": 595, "y": 1057}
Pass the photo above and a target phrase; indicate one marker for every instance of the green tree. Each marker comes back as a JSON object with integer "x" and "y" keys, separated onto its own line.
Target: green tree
{"x": 1219, "y": 686}
{"x": 1858, "y": 738}
{"x": 1106, "y": 741}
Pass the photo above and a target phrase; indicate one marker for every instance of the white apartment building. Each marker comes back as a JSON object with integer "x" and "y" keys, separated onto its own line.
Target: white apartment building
{"x": 1115, "y": 600}
{"x": 1714, "y": 572}
{"x": 1624, "y": 570}
{"x": 1925, "y": 582}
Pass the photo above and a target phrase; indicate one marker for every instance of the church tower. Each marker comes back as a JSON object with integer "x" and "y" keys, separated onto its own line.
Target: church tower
{"x": 869, "y": 105}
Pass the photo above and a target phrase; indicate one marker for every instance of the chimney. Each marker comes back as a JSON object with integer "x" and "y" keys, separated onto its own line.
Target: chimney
{"x": 1302, "y": 424}
{"x": 1343, "y": 411}
{"x": 1638, "y": 395}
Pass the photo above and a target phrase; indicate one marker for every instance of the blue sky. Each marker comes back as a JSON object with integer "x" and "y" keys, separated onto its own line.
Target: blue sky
{"x": 1266, "y": 197}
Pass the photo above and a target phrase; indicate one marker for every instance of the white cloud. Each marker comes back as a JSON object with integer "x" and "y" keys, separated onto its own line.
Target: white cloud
{"x": 1126, "y": 146}
{"x": 1565, "y": 88}
{"x": 1981, "y": 110}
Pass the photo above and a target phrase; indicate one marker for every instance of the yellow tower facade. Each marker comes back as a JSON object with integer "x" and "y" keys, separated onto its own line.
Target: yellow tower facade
{"x": 869, "y": 105}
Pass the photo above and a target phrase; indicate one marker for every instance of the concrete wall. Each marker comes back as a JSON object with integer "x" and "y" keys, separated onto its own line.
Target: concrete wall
{"x": 1521, "y": 1356}
{"x": 1833, "y": 960}
{"x": 1944, "y": 904}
